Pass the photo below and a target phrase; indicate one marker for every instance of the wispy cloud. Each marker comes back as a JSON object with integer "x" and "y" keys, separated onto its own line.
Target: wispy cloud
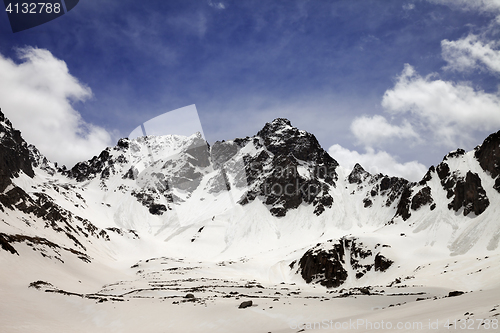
{"x": 492, "y": 6}
{"x": 408, "y": 6}
{"x": 216, "y": 5}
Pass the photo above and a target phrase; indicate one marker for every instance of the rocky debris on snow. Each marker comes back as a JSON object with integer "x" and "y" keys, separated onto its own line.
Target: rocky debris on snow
{"x": 455, "y": 293}
{"x": 40, "y": 284}
{"x": 41, "y": 245}
{"x": 245, "y": 304}
{"x": 5, "y": 243}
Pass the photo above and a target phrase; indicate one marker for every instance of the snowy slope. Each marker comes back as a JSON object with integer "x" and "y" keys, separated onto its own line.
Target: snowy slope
{"x": 271, "y": 218}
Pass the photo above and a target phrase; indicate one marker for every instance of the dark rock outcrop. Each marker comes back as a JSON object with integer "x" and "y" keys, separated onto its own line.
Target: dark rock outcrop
{"x": 58, "y": 219}
{"x": 245, "y": 304}
{"x": 448, "y": 180}
{"x": 428, "y": 176}
{"x": 87, "y": 170}
{"x": 403, "y": 208}
{"x": 39, "y": 161}
{"x": 324, "y": 266}
{"x": 281, "y": 138}
{"x": 466, "y": 192}
{"x": 14, "y": 154}
{"x": 422, "y": 198}
{"x": 392, "y": 189}
{"x": 382, "y": 263}
{"x": 327, "y": 263}
{"x": 454, "y": 154}
{"x": 470, "y": 195}
{"x": 41, "y": 245}
{"x": 273, "y": 174}
{"x": 488, "y": 156}
{"x": 149, "y": 199}
{"x": 358, "y": 175}
{"x": 455, "y": 293}
{"x": 4, "y": 243}
{"x": 497, "y": 185}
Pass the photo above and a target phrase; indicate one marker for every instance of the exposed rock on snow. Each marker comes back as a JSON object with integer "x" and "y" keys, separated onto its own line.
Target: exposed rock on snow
{"x": 273, "y": 189}
{"x": 290, "y": 168}
{"x": 422, "y": 198}
{"x": 358, "y": 175}
{"x": 330, "y": 263}
{"x": 14, "y": 154}
{"x": 470, "y": 195}
{"x": 238, "y": 220}
{"x": 488, "y": 154}
{"x": 245, "y": 304}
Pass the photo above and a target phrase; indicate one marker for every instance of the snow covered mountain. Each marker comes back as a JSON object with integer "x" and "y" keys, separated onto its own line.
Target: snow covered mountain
{"x": 270, "y": 208}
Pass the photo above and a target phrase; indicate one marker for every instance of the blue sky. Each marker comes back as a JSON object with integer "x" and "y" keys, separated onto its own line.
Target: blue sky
{"x": 394, "y": 84}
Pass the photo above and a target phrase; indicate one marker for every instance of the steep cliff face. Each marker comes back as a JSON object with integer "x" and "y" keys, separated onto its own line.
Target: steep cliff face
{"x": 488, "y": 156}
{"x": 470, "y": 195}
{"x": 14, "y": 154}
{"x": 289, "y": 168}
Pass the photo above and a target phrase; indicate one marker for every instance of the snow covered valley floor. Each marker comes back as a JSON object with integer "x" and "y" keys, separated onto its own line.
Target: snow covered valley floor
{"x": 176, "y": 295}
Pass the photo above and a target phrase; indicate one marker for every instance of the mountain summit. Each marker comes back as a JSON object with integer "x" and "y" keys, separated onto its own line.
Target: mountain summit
{"x": 168, "y": 185}
{"x": 274, "y": 205}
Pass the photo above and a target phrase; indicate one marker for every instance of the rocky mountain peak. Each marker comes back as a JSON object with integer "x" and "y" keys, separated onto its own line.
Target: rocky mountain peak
{"x": 180, "y": 189}
{"x": 289, "y": 168}
{"x": 454, "y": 154}
{"x": 38, "y": 160}
{"x": 278, "y": 124}
{"x": 281, "y": 138}
{"x": 358, "y": 174}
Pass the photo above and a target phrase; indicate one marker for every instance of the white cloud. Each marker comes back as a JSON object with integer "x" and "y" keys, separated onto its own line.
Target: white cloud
{"x": 36, "y": 96}
{"x": 377, "y": 162}
{"x": 476, "y": 50}
{"x": 409, "y": 6}
{"x": 374, "y": 131}
{"x": 451, "y": 111}
{"x": 217, "y": 5}
{"x": 470, "y": 53}
{"x": 445, "y": 112}
{"x": 478, "y": 5}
